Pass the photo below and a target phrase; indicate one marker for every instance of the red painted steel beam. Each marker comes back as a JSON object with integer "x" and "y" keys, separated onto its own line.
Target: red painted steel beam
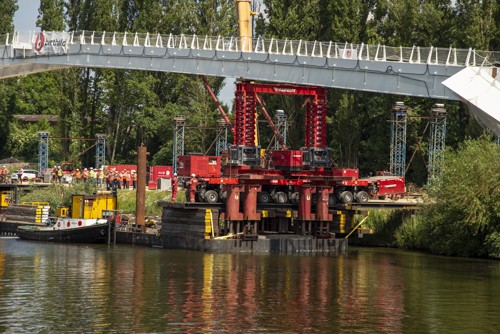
{"x": 217, "y": 103}
{"x": 283, "y": 89}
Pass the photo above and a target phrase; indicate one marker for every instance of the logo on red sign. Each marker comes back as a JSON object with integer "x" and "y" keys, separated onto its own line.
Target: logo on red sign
{"x": 39, "y": 42}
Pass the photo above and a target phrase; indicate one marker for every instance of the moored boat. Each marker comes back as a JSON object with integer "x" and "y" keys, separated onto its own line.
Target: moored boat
{"x": 87, "y": 221}
{"x": 68, "y": 230}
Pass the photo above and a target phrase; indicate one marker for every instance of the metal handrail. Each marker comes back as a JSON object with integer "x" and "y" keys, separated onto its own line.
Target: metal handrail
{"x": 298, "y": 48}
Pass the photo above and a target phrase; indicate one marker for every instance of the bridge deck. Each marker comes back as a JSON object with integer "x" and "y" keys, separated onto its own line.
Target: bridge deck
{"x": 374, "y": 68}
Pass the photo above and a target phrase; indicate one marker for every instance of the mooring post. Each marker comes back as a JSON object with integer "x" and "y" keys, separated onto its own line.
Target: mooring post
{"x": 140, "y": 204}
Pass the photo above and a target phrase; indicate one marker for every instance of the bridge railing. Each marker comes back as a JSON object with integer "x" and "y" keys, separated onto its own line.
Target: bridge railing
{"x": 296, "y": 48}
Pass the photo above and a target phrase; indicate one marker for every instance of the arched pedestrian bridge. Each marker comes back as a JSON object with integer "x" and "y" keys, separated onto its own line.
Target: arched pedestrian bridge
{"x": 438, "y": 73}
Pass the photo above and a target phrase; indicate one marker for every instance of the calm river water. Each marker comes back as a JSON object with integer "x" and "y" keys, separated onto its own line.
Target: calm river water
{"x": 55, "y": 288}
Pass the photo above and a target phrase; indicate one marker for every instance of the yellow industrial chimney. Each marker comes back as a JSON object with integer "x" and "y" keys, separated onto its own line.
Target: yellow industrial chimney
{"x": 244, "y": 16}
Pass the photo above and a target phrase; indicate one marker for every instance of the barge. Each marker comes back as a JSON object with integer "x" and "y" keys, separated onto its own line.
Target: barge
{"x": 199, "y": 226}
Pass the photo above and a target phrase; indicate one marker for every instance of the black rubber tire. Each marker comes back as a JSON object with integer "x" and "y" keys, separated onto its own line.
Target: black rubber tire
{"x": 280, "y": 197}
{"x": 332, "y": 200}
{"x": 263, "y": 197}
{"x": 211, "y": 196}
{"x": 294, "y": 198}
{"x": 362, "y": 197}
{"x": 314, "y": 199}
{"x": 346, "y": 197}
{"x": 382, "y": 198}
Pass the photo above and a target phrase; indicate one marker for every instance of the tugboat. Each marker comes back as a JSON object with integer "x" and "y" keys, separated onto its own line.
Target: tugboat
{"x": 88, "y": 223}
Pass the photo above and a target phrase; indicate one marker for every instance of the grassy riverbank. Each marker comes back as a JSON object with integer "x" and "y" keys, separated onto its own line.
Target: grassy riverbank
{"x": 59, "y": 195}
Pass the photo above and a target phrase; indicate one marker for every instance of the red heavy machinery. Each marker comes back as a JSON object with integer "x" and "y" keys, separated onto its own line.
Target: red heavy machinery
{"x": 284, "y": 171}
{"x": 305, "y": 177}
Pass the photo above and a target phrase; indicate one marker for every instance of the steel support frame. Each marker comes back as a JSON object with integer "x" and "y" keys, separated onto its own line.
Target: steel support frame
{"x": 221, "y": 143}
{"x": 398, "y": 139}
{"x": 179, "y": 132}
{"x": 100, "y": 150}
{"x": 43, "y": 151}
{"x": 281, "y": 127}
{"x": 437, "y": 139}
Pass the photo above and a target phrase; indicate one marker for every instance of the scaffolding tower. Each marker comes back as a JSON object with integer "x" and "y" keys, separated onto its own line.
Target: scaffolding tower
{"x": 221, "y": 144}
{"x": 281, "y": 126}
{"x": 398, "y": 138}
{"x": 43, "y": 151}
{"x": 436, "y": 141}
{"x": 100, "y": 150}
{"x": 179, "y": 130}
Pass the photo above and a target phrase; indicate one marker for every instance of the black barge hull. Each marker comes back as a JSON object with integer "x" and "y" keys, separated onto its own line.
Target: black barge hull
{"x": 89, "y": 234}
{"x": 200, "y": 227}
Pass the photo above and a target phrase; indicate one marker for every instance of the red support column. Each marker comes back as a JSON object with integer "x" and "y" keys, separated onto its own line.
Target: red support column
{"x": 250, "y": 204}
{"x": 315, "y": 132}
{"x": 244, "y": 115}
{"x": 322, "y": 204}
{"x": 305, "y": 203}
{"x": 320, "y": 120}
{"x": 239, "y": 116}
{"x": 233, "y": 203}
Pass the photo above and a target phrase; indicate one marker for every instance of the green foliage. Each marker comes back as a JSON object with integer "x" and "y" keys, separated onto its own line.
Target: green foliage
{"x": 127, "y": 201}
{"x": 463, "y": 216}
{"x": 7, "y": 10}
{"x": 51, "y": 15}
{"x": 58, "y": 195}
{"x": 384, "y": 224}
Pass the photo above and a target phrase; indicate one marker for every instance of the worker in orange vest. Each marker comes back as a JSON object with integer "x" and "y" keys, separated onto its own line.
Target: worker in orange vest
{"x": 133, "y": 176}
{"x": 193, "y": 183}
{"x": 4, "y": 174}
{"x": 175, "y": 184}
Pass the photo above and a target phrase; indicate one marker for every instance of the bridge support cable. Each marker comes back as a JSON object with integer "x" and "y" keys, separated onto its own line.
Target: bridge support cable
{"x": 43, "y": 151}
{"x": 398, "y": 139}
{"x": 179, "y": 131}
{"x": 436, "y": 141}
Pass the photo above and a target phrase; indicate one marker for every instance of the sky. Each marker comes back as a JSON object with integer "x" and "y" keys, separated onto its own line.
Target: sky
{"x": 25, "y": 20}
{"x": 26, "y": 15}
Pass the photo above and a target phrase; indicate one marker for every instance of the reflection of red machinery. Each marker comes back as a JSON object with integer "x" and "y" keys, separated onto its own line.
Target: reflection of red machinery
{"x": 304, "y": 178}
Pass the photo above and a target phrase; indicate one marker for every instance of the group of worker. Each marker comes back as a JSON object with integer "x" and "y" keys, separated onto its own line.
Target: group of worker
{"x": 94, "y": 176}
{"x": 123, "y": 179}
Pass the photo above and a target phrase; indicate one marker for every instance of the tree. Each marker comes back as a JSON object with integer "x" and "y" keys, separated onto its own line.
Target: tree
{"x": 7, "y": 86}
{"x": 51, "y": 15}
{"x": 462, "y": 215}
{"x": 7, "y": 10}
{"x": 475, "y": 23}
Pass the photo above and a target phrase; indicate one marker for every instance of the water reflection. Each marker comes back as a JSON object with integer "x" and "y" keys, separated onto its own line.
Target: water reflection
{"x": 68, "y": 288}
